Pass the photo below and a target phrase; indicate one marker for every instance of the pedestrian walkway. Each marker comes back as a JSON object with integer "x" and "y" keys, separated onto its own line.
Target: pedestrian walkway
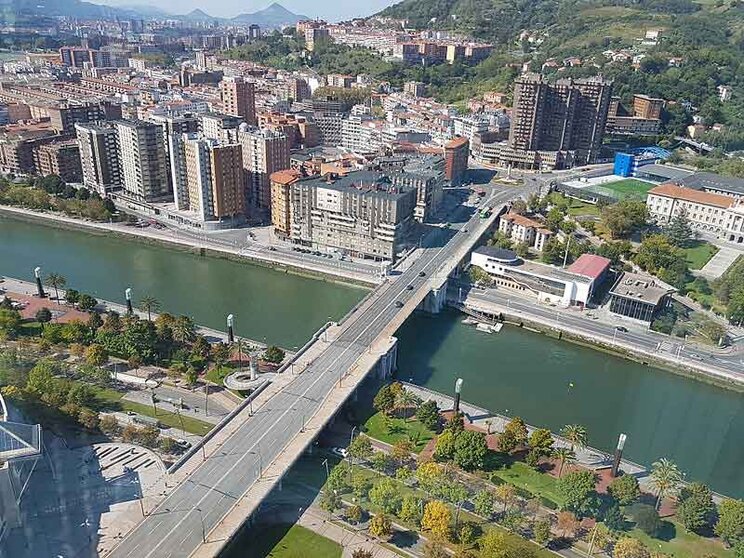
{"x": 720, "y": 262}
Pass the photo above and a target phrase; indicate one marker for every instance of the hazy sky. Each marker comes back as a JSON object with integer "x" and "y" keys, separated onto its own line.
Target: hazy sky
{"x": 331, "y": 10}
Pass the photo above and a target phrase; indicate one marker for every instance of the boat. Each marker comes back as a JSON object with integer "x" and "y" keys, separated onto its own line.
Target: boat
{"x": 469, "y": 321}
{"x": 488, "y": 328}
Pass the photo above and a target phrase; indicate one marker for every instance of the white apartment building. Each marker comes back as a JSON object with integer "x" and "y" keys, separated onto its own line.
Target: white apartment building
{"x": 360, "y": 134}
{"x": 469, "y": 126}
{"x": 144, "y": 165}
{"x": 521, "y": 229}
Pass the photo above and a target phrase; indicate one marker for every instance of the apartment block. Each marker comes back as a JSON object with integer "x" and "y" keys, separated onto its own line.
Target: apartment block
{"x": 61, "y": 158}
{"x": 281, "y": 183}
{"x": 264, "y": 152}
{"x": 144, "y": 165}
{"x": 521, "y": 229}
{"x": 456, "y": 154}
{"x": 238, "y": 98}
{"x": 99, "y": 157}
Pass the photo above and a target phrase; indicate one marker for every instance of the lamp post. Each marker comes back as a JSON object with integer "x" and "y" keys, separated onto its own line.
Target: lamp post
{"x": 230, "y": 333}
{"x": 204, "y": 531}
{"x": 458, "y": 388}
{"x": 618, "y": 454}
{"x": 39, "y": 287}
{"x": 128, "y": 296}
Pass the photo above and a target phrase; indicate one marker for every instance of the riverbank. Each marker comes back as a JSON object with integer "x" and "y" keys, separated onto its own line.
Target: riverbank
{"x": 696, "y": 370}
{"x": 276, "y": 261}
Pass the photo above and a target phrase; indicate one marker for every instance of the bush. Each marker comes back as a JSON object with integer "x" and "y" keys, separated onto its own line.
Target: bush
{"x": 646, "y": 518}
{"x": 624, "y": 489}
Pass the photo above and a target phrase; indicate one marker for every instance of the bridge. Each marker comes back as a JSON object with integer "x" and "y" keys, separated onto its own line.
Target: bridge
{"x": 220, "y": 487}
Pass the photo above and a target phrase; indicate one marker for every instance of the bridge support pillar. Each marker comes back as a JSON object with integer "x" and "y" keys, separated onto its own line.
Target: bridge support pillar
{"x": 388, "y": 362}
{"x": 435, "y": 300}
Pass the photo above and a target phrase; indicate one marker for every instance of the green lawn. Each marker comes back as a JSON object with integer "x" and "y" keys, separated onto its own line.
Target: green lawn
{"x": 391, "y": 430}
{"x": 525, "y": 477}
{"x": 629, "y": 187}
{"x": 698, "y": 253}
{"x": 579, "y": 208}
{"x": 285, "y": 541}
{"x": 111, "y": 400}
{"x": 682, "y": 544}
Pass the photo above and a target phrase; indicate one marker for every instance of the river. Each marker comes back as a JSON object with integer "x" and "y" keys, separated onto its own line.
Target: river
{"x": 699, "y": 426}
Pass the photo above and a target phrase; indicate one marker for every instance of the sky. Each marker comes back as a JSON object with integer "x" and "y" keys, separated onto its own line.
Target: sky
{"x": 330, "y": 10}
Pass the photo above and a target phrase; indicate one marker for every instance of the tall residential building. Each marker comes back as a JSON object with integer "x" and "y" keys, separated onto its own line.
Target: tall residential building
{"x": 565, "y": 119}
{"x": 264, "y": 152}
{"x": 61, "y": 158}
{"x": 238, "y": 98}
{"x": 220, "y": 126}
{"x": 174, "y": 127}
{"x": 99, "y": 157}
{"x": 281, "y": 196}
{"x": 144, "y": 165}
{"x": 456, "y": 154}
{"x": 647, "y": 107}
{"x": 362, "y": 213}
{"x": 314, "y": 36}
{"x": 213, "y": 186}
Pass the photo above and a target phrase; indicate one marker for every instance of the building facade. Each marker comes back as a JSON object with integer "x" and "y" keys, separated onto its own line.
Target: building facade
{"x": 99, "y": 157}
{"x": 144, "y": 166}
{"x": 264, "y": 152}
{"x": 238, "y": 98}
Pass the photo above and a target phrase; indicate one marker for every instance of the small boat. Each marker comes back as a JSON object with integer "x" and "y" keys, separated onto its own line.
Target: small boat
{"x": 488, "y": 328}
{"x": 469, "y": 321}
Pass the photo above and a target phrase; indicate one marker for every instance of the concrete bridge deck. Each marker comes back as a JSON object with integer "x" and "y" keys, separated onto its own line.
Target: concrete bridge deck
{"x": 222, "y": 486}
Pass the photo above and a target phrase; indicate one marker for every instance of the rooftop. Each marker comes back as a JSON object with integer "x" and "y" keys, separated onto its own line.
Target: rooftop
{"x": 589, "y": 265}
{"x": 665, "y": 171}
{"x": 712, "y": 181}
{"x": 688, "y": 194}
{"x": 641, "y": 287}
{"x": 368, "y": 182}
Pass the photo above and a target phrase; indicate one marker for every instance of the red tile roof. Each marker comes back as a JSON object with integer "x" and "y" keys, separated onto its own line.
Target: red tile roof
{"x": 688, "y": 194}
{"x": 589, "y": 265}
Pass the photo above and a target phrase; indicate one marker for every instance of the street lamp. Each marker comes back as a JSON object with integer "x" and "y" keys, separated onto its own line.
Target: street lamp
{"x": 230, "y": 334}
{"x": 128, "y": 296}
{"x": 458, "y": 388}
{"x": 204, "y": 531}
{"x": 618, "y": 454}
{"x": 39, "y": 287}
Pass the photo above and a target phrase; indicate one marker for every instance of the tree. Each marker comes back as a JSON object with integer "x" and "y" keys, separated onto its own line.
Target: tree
{"x": 659, "y": 257}
{"x": 497, "y": 544}
{"x": 380, "y": 526}
{"x": 567, "y": 523}
{"x": 666, "y": 477}
{"x": 330, "y": 501}
{"x": 94, "y": 322}
{"x": 401, "y": 452}
{"x": 191, "y": 376}
{"x": 513, "y": 436}
{"x": 428, "y": 414}
{"x": 628, "y": 547}
{"x": 564, "y": 455}
{"x": 384, "y": 401}
{"x": 483, "y": 503}
{"x": 109, "y": 425}
{"x": 577, "y": 488}
{"x": 380, "y": 461}
{"x": 430, "y": 476}
{"x": 576, "y": 435}
{"x": 678, "y": 231}
{"x": 86, "y": 302}
{"x": 646, "y": 519}
{"x": 386, "y": 495}
{"x": 471, "y": 450}
{"x": 695, "y": 508}
{"x": 96, "y": 355}
{"x": 437, "y": 519}
{"x": 88, "y": 418}
{"x": 624, "y": 217}
{"x": 43, "y": 315}
{"x": 730, "y": 525}
{"x": 410, "y": 510}
{"x": 505, "y": 493}
{"x": 404, "y": 399}
{"x": 614, "y": 519}
{"x": 361, "y": 552}
{"x": 599, "y": 538}
{"x": 56, "y": 281}
{"x": 167, "y": 444}
{"x": 149, "y": 304}
{"x": 338, "y": 479}
{"x": 354, "y": 514}
{"x": 184, "y": 330}
{"x": 445, "y": 446}
{"x": 360, "y": 448}
{"x": 10, "y": 323}
{"x": 624, "y": 489}
{"x": 360, "y": 486}
{"x": 541, "y": 441}
{"x": 273, "y": 354}
{"x": 541, "y": 531}
{"x": 72, "y": 296}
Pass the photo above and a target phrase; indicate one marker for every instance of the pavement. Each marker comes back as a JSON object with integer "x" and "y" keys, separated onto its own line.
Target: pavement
{"x": 720, "y": 262}
{"x": 712, "y": 362}
{"x": 218, "y": 483}
{"x": 193, "y": 402}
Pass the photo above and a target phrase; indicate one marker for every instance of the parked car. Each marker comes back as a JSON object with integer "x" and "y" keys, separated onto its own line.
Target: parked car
{"x": 341, "y": 452}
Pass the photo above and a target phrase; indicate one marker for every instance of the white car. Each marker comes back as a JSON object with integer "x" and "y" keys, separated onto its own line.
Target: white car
{"x": 341, "y": 452}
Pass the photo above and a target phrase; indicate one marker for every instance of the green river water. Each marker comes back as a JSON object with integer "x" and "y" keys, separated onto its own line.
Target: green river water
{"x": 701, "y": 427}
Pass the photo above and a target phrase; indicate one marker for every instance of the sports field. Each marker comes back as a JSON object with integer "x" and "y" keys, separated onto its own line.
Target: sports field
{"x": 629, "y": 187}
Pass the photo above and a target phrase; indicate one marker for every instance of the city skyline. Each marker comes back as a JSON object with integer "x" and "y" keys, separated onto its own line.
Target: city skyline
{"x": 232, "y": 8}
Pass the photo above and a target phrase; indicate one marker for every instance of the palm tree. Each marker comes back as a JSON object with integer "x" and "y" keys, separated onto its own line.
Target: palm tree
{"x": 505, "y": 493}
{"x": 665, "y": 476}
{"x": 149, "y": 304}
{"x": 56, "y": 281}
{"x": 565, "y": 455}
{"x": 576, "y": 434}
{"x": 405, "y": 401}
{"x": 184, "y": 330}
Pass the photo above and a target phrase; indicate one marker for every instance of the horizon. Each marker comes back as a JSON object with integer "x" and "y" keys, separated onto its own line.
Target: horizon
{"x": 231, "y": 8}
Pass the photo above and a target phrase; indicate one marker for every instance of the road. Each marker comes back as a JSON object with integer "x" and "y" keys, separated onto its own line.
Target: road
{"x": 179, "y": 524}
{"x": 647, "y": 340}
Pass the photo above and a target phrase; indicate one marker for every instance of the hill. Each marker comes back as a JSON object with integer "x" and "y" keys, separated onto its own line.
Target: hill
{"x": 273, "y": 16}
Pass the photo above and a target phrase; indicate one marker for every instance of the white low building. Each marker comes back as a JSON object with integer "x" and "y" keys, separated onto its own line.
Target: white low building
{"x": 552, "y": 285}
{"x": 521, "y": 229}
